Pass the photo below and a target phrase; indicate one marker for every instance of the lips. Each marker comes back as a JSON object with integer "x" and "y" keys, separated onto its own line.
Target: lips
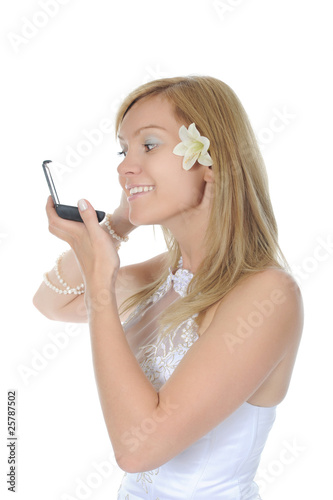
{"x": 142, "y": 193}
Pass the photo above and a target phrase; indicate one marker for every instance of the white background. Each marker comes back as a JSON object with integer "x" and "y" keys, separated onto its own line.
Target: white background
{"x": 62, "y": 74}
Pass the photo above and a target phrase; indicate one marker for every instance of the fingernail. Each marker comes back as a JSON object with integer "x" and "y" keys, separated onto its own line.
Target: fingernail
{"x": 82, "y": 205}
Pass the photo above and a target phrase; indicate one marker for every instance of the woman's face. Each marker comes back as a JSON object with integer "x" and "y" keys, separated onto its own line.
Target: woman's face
{"x": 148, "y": 134}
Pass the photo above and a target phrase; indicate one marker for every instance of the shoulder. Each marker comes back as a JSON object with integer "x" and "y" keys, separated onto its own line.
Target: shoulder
{"x": 273, "y": 283}
{"x": 270, "y": 297}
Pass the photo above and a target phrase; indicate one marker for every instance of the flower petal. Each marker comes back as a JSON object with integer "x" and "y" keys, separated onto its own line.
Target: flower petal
{"x": 190, "y": 160}
{"x": 193, "y": 147}
{"x": 205, "y": 160}
{"x": 205, "y": 142}
{"x": 180, "y": 149}
{"x": 193, "y": 132}
{"x": 183, "y": 134}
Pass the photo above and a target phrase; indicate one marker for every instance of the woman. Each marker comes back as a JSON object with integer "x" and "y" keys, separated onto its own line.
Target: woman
{"x": 194, "y": 349}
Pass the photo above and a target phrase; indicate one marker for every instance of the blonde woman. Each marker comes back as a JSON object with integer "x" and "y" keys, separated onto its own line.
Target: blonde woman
{"x": 193, "y": 349}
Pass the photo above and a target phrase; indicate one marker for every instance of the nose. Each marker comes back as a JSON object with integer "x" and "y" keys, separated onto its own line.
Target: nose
{"x": 129, "y": 166}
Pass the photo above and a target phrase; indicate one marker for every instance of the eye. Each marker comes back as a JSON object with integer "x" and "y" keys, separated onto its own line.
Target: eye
{"x": 122, "y": 153}
{"x": 150, "y": 146}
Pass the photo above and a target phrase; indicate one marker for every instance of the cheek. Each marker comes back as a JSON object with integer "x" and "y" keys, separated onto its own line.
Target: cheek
{"x": 184, "y": 187}
{"x": 185, "y": 194}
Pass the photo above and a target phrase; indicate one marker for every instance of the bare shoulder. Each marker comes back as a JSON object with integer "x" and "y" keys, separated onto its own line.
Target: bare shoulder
{"x": 271, "y": 292}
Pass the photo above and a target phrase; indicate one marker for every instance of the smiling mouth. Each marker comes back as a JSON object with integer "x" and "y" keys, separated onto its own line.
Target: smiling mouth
{"x": 140, "y": 189}
{"x": 135, "y": 194}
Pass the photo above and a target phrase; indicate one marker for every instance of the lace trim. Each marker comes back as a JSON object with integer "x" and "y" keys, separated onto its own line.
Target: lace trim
{"x": 161, "y": 358}
{"x": 181, "y": 278}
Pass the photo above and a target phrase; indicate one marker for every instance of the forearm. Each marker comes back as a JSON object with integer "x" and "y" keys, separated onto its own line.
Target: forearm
{"x": 47, "y": 300}
{"x": 127, "y": 397}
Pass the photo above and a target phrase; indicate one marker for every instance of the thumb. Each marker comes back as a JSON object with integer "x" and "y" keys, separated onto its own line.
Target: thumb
{"x": 88, "y": 215}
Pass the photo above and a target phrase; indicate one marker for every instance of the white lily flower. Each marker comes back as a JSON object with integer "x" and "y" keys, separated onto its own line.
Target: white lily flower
{"x": 194, "y": 147}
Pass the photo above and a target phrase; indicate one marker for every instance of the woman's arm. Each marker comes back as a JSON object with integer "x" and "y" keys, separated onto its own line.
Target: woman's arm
{"x": 221, "y": 371}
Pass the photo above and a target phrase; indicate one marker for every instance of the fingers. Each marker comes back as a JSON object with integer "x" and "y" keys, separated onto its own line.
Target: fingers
{"x": 67, "y": 230}
{"x": 56, "y": 221}
{"x": 73, "y": 231}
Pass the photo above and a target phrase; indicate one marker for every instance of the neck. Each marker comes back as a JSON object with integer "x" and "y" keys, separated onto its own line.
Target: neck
{"x": 189, "y": 233}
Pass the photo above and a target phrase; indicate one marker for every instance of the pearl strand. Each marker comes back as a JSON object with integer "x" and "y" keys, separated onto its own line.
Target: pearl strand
{"x": 60, "y": 279}
{"x": 80, "y": 288}
{"x": 112, "y": 232}
{"x": 68, "y": 290}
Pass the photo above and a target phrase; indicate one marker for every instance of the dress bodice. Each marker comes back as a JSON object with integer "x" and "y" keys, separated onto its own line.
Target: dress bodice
{"x": 222, "y": 464}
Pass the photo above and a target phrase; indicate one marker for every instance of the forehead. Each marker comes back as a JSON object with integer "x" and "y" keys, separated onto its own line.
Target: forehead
{"x": 155, "y": 110}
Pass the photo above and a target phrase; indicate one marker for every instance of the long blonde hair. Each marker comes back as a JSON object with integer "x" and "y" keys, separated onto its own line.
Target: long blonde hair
{"x": 242, "y": 235}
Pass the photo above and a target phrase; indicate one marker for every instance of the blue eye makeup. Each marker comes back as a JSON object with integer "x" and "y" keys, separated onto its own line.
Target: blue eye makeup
{"x": 150, "y": 143}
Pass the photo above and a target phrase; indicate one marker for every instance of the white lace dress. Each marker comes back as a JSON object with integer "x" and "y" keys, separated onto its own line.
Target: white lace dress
{"x": 222, "y": 464}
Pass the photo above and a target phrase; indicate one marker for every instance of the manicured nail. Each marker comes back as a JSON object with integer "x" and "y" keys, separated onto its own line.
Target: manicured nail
{"x": 82, "y": 205}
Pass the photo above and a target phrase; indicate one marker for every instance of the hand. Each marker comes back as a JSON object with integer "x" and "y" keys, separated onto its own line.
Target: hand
{"x": 94, "y": 249}
{"x": 202, "y": 201}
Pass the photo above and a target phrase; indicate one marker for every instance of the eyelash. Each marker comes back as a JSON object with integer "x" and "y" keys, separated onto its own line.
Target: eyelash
{"x": 145, "y": 145}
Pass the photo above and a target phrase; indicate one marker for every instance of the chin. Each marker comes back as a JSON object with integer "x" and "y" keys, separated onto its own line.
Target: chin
{"x": 141, "y": 220}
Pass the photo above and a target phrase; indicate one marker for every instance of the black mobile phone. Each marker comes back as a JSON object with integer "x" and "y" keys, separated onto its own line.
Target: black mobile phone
{"x": 64, "y": 211}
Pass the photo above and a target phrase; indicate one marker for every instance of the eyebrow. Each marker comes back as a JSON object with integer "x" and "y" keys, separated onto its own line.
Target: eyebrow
{"x": 143, "y": 128}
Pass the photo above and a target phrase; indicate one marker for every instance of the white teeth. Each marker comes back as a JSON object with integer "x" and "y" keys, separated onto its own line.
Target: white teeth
{"x": 141, "y": 189}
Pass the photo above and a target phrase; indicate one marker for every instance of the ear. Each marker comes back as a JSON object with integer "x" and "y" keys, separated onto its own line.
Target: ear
{"x": 209, "y": 174}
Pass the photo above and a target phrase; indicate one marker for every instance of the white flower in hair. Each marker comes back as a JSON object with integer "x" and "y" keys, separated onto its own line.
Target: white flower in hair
{"x": 194, "y": 147}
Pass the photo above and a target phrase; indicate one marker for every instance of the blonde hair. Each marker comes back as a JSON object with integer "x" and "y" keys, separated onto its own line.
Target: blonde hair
{"x": 242, "y": 235}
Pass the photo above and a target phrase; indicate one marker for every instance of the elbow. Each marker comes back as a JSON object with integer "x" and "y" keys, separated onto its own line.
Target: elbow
{"x": 124, "y": 465}
{"x": 48, "y": 314}
{"x": 130, "y": 464}
{"x": 128, "y": 460}
{"x": 139, "y": 460}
